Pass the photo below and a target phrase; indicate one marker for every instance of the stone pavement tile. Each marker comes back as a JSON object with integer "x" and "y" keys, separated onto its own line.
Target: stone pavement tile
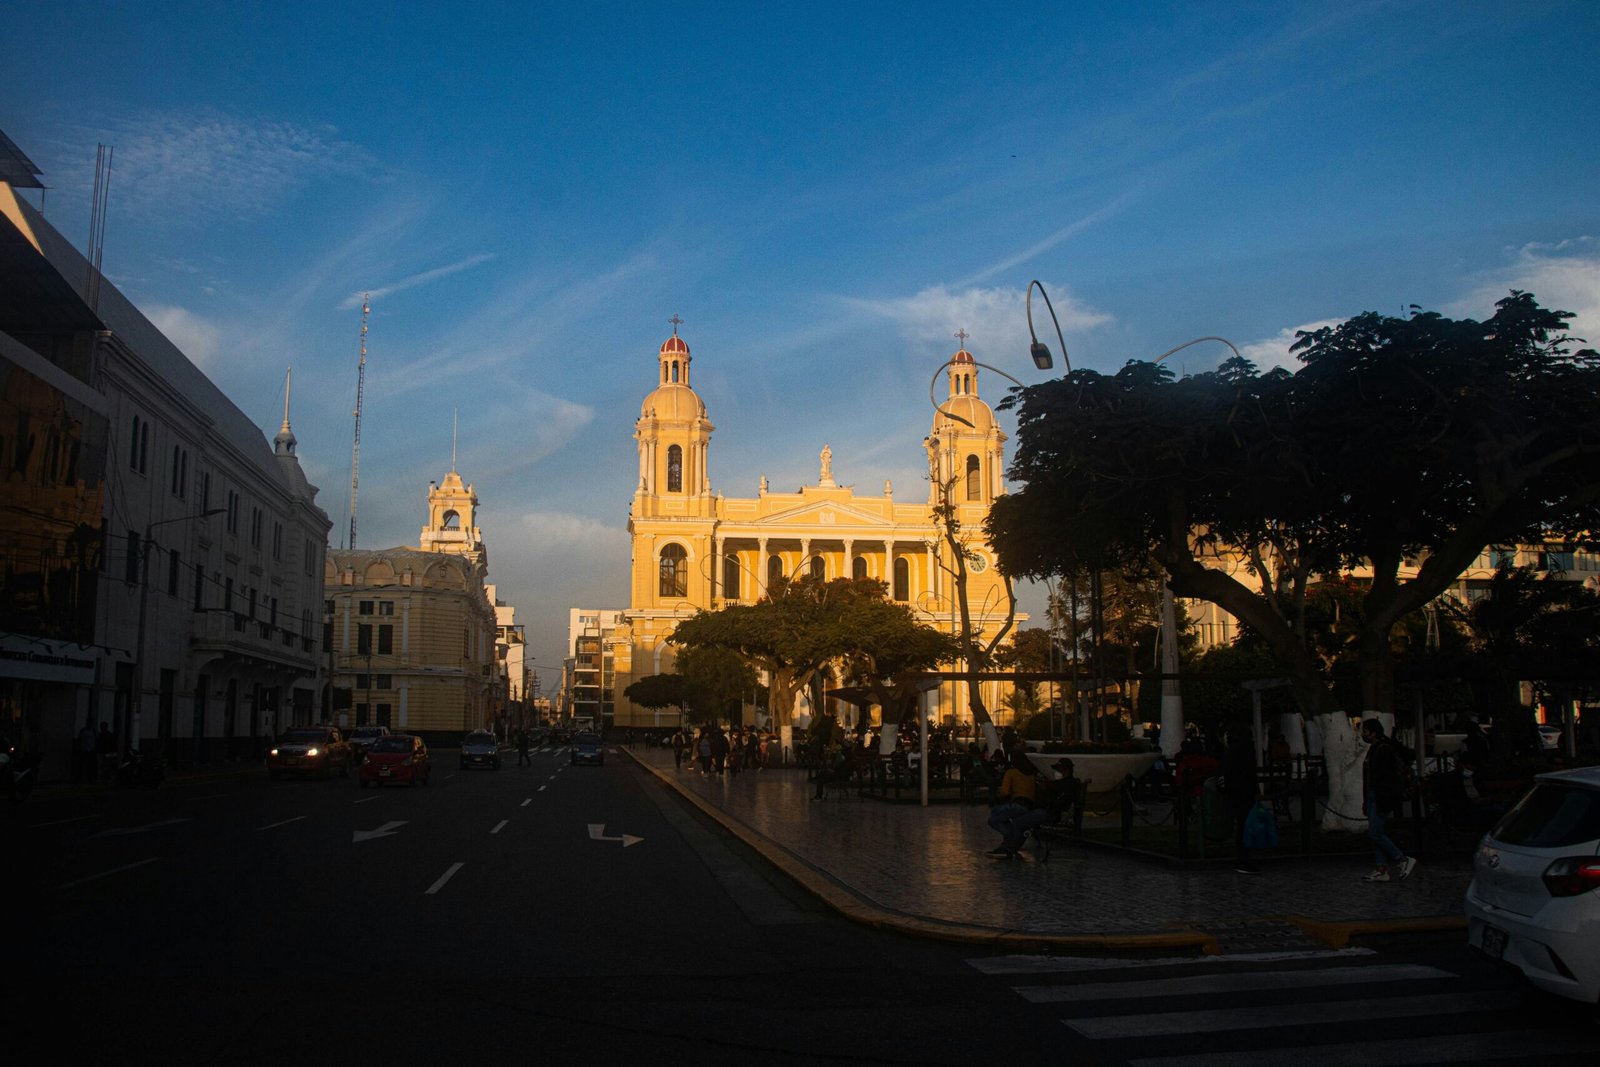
{"x": 930, "y": 863}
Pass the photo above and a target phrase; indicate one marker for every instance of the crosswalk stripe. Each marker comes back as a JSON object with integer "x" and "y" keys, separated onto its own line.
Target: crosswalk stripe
{"x": 1023, "y": 965}
{"x": 1274, "y": 1015}
{"x": 1394, "y": 1052}
{"x": 1233, "y": 982}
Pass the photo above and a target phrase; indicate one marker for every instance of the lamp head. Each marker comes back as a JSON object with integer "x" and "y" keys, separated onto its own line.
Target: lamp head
{"x": 1041, "y": 355}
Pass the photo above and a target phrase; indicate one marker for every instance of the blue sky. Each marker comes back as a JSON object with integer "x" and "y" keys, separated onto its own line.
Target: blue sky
{"x": 825, "y": 193}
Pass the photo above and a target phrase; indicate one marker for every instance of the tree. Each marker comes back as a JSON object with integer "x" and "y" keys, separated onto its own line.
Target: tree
{"x": 977, "y": 648}
{"x": 1527, "y": 627}
{"x": 715, "y": 679}
{"x": 886, "y": 650}
{"x": 790, "y": 633}
{"x": 658, "y": 691}
{"x": 1417, "y": 440}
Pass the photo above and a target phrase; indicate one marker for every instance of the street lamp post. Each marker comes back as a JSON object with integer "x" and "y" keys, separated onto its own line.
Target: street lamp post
{"x": 136, "y": 720}
{"x": 1171, "y": 700}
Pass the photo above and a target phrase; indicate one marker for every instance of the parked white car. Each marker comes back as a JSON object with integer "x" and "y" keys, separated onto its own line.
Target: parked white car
{"x": 1534, "y": 900}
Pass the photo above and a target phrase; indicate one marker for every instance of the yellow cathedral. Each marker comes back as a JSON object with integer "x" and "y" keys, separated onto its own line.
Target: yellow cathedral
{"x": 695, "y": 549}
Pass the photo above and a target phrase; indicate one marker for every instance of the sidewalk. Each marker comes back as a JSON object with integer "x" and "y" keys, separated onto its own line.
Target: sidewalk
{"x": 923, "y": 871}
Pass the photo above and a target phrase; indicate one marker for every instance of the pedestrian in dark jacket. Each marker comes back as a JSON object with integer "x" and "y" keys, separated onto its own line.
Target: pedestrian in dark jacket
{"x": 1243, "y": 790}
{"x": 1383, "y": 788}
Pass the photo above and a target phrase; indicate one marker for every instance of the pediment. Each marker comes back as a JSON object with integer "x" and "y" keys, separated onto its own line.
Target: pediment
{"x": 823, "y": 513}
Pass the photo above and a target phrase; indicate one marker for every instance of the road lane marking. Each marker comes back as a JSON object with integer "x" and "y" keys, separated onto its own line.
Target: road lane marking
{"x": 286, "y": 822}
{"x": 1218, "y": 1020}
{"x": 443, "y": 878}
{"x": 501, "y": 825}
{"x": 210, "y": 796}
{"x": 525, "y": 803}
{"x": 1252, "y": 981}
{"x": 386, "y": 830}
{"x": 597, "y": 832}
{"x": 553, "y": 776}
{"x": 448, "y": 777}
{"x": 364, "y": 800}
{"x": 542, "y": 788}
{"x": 106, "y": 874}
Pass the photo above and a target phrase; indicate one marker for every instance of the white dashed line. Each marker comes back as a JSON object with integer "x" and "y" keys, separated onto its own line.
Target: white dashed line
{"x": 501, "y": 825}
{"x": 525, "y": 803}
{"x": 105, "y": 874}
{"x": 443, "y": 878}
{"x": 365, "y": 800}
{"x": 542, "y": 788}
{"x": 285, "y": 822}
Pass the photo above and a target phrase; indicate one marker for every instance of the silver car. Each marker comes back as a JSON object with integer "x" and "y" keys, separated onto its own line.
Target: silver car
{"x": 1534, "y": 900}
{"x": 480, "y": 748}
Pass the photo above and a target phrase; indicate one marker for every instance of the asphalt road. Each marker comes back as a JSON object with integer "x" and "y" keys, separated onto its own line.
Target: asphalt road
{"x": 564, "y": 911}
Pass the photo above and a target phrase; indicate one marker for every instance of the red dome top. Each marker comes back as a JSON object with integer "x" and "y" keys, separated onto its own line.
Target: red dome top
{"x": 674, "y": 344}
{"x": 962, "y": 356}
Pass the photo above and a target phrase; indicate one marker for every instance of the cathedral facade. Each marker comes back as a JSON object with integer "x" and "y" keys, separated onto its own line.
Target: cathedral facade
{"x": 695, "y": 549}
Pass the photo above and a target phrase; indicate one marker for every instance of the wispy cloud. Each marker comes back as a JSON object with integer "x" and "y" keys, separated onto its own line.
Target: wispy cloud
{"x": 354, "y": 299}
{"x": 198, "y": 338}
{"x": 556, "y": 529}
{"x": 1065, "y": 233}
{"x": 215, "y": 164}
{"x": 1266, "y": 353}
{"x": 995, "y": 319}
{"x": 1563, "y": 275}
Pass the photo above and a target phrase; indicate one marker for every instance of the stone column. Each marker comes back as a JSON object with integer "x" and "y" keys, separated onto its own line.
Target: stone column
{"x": 849, "y": 557}
{"x": 761, "y": 569}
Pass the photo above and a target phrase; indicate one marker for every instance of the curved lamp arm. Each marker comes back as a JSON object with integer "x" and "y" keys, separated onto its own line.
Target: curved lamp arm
{"x": 935, "y": 381}
{"x": 1196, "y": 341}
{"x": 1041, "y": 352}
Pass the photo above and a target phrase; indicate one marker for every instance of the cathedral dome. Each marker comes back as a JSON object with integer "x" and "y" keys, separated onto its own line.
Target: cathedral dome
{"x": 967, "y": 407}
{"x": 674, "y": 346}
{"x": 673, "y": 402}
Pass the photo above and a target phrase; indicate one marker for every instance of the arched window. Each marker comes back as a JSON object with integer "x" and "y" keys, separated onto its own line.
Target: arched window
{"x": 452, "y": 520}
{"x": 730, "y": 577}
{"x": 674, "y": 571}
{"x": 819, "y": 568}
{"x": 674, "y": 371}
{"x": 974, "y": 480}
{"x": 902, "y": 579}
{"x": 774, "y": 571}
{"x": 675, "y": 469}
{"x": 858, "y": 569}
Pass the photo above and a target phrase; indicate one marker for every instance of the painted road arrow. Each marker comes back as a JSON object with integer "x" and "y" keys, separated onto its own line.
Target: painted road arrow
{"x": 119, "y": 831}
{"x": 386, "y": 830}
{"x": 597, "y": 832}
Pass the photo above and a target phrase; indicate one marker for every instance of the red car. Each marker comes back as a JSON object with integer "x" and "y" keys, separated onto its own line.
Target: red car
{"x": 396, "y": 758}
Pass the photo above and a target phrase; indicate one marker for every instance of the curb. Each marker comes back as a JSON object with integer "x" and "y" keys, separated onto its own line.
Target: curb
{"x": 1338, "y": 935}
{"x": 853, "y": 907}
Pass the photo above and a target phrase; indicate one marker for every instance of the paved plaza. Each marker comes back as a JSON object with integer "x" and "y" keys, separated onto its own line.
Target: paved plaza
{"x": 927, "y": 865}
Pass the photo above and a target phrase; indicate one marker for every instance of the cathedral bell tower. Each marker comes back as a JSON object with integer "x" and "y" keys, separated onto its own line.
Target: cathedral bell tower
{"x": 965, "y": 449}
{"x": 674, "y": 436}
{"x": 452, "y": 511}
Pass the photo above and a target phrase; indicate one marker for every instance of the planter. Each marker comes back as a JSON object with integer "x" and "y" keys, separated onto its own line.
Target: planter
{"x": 1104, "y": 773}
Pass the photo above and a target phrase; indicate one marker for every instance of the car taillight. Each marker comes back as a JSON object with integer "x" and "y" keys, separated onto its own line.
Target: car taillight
{"x": 1572, "y": 876}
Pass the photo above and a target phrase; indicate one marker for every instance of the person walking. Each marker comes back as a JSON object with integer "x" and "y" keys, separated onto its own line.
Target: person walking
{"x": 105, "y": 752}
{"x": 702, "y": 750}
{"x": 1383, "y": 787}
{"x": 83, "y": 755}
{"x": 680, "y": 748}
{"x": 523, "y": 759}
{"x": 1242, "y": 788}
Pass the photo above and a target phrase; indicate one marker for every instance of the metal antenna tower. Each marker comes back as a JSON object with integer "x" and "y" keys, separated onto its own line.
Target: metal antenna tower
{"x": 355, "y": 449}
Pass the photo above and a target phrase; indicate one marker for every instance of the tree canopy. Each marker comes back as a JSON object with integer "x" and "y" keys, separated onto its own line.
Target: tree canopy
{"x": 807, "y": 624}
{"x": 1418, "y": 440}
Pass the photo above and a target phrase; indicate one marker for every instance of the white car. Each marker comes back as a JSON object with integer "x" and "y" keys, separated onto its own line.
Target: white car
{"x": 1534, "y": 900}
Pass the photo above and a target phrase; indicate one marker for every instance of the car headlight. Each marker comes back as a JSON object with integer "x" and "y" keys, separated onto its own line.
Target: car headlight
{"x": 274, "y": 752}
{"x": 312, "y": 751}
